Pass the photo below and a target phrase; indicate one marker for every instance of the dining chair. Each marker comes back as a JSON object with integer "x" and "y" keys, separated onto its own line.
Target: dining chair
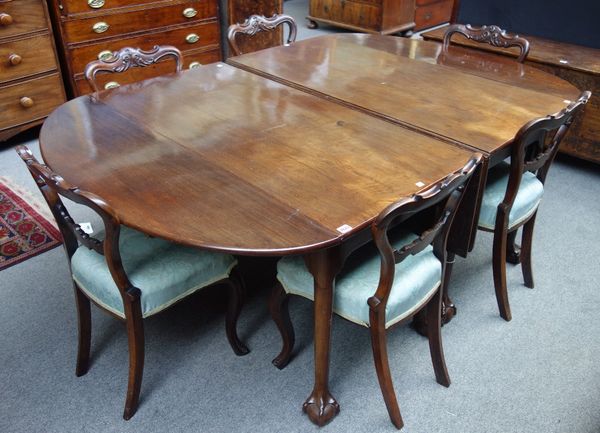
{"x": 128, "y": 274}
{"x": 513, "y": 193}
{"x": 492, "y": 35}
{"x": 257, "y": 23}
{"x": 388, "y": 282}
{"x": 125, "y": 58}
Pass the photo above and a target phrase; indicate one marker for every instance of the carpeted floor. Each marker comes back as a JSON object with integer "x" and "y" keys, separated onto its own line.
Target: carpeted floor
{"x": 538, "y": 373}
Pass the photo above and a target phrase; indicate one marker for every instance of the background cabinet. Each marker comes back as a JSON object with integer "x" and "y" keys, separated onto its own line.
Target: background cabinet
{"x": 30, "y": 82}
{"x": 91, "y": 29}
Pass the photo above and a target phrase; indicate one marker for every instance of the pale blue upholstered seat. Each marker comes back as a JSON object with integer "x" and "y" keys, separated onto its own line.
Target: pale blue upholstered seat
{"x": 415, "y": 280}
{"x": 163, "y": 271}
{"x": 527, "y": 200}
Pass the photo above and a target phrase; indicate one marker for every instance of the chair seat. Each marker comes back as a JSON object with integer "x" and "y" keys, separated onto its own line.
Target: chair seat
{"x": 527, "y": 200}
{"x": 415, "y": 281}
{"x": 164, "y": 272}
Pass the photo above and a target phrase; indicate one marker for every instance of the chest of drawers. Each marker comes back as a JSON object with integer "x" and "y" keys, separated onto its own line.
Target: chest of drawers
{"x": 92, "y": 29}
{"x": 30, "y": 82}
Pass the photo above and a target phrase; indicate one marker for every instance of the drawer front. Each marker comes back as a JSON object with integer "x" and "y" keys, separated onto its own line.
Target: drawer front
{"x": 104, "y": 26}
{"x": 26, "y": 57}
{"x": 85, "y": 6}
{"x": 137, "y": 74}
{"x": 22, "y": 16}
{"x": 433, "y": 14}
{"x": 208, "y": 34}
{"x": 347, "y": 12}
{"x": 30, "y": 100}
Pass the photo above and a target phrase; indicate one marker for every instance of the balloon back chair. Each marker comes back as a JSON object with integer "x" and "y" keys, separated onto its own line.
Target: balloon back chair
{"x": 388, "y": 282}
{"x": 514, "y": 190}
{"x": 258, "y": 23}
{"x": 128, "y": 274}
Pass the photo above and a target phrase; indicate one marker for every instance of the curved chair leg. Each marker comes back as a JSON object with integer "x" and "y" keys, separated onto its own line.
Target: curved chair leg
{"x": 434, "y": 332}
{"x": 84, "y": 324}
{"x": 499, "y": 268}
{"x": 278, "y": 306}
{"x": 135, "y": 337}
{"x": 237, "y": 294}
{"x": 380, "y": 356}
{"x": 513, "y": 252}
{"x": 527, "y": 242}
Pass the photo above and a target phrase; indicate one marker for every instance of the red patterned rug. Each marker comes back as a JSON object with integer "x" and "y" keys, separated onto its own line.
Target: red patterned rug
{"x": 25, "y": 227}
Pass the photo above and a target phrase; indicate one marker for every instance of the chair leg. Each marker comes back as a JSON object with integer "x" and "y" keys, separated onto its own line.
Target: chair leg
{"x": 499, "y": 268}
{"x": 434, "y": 332}
{"x": 84, "y": 324}
{"x": 513, "y": 252}
{"x": 278, "y": 306}
{"x": 380, "y": 356}
{"x": 237, "y": 294}
{"x": 135, "y": 337}
{"x": 527, "y": 241}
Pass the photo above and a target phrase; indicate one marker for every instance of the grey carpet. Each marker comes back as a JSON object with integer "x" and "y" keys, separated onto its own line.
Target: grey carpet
{"x": 538, "y": 373}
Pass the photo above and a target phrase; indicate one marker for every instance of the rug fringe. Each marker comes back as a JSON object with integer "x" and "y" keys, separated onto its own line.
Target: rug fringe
{"x": 32, "y": 199}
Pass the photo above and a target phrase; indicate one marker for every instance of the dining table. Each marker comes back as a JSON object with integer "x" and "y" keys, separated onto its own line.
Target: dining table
{"x": 296, "y": 149}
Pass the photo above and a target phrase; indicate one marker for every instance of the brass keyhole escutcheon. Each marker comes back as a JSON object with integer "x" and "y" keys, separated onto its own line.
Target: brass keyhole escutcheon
{"x": 105, "y": 55}
{"x": 96, "y": 4}
{"x": 111, "y": 85}
{"x": 192, "y": 38}
{"x": 190, "y": 12}
{"x": 100, "y": 27}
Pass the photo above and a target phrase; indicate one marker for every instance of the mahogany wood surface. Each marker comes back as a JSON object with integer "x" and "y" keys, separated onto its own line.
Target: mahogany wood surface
{"x": 401, "y": 80}
{"x": 252, "y": 155}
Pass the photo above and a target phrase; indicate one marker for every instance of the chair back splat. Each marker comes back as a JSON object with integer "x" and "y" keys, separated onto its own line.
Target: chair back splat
{"x": 492, "y": 35}
{"x": 126, "y": 58}
{"x": 258, "y": 23}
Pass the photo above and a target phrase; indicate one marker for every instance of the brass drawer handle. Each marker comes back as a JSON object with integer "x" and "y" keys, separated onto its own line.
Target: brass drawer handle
{"x": 100, "y": 27}
{"x": 190, "y": 12}
{"x": 95, "y": 4}
{"x": 26, "y": 102}
{"x": 5, "y": 19}
{"x": 105, "y": 55}
{"x": 192, "y": 38}
{"x": 195, "y": 65}
{"x": 111, "y": 85}
{"x": 14, "y": 59}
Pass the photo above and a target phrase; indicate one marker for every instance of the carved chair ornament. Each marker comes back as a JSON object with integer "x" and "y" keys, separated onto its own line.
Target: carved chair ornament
{"x": 492, "y": 35}
{"x": 258, "y": 23}
{"x": 122, "y": 60}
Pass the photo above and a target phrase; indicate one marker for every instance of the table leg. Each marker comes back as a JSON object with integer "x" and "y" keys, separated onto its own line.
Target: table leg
{"x": 321, "y": 407}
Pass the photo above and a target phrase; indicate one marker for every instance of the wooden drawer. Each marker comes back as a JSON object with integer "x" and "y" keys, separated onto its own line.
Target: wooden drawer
{"x": 36, "y": 56}
{"x": 352, "y": 13}
{"x": 98, "y": 6}
{"x": 208, "y": 35}
{"x": 426, "y": 2}
{"x": 433, "y": 14}
{"x": 161, "y": 68}
{"x": 136, "y": 21}
{"x": 27, "y": 16}
{"x": 46, "y": 94}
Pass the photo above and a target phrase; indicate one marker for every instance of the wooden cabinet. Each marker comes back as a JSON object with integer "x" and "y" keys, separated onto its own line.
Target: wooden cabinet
{"x": 372, "y": 16}
{"x": 30, "y": 82}
{"x": 381, "y": 16}
{"x": 429, "y": 13}
{"x": 91, "y": 29}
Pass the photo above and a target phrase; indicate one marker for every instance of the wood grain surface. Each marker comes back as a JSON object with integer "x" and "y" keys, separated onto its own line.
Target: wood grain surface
{"x": 220, "y": 158}
{"x": 401, "y": 80}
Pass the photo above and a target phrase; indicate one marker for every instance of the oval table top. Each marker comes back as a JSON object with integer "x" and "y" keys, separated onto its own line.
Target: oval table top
{"x": 471, "y": 97}
{"x": 223, "y": 159}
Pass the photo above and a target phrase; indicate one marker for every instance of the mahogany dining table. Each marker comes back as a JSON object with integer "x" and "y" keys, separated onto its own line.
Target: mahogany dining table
{"x": 295, "y": 149}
